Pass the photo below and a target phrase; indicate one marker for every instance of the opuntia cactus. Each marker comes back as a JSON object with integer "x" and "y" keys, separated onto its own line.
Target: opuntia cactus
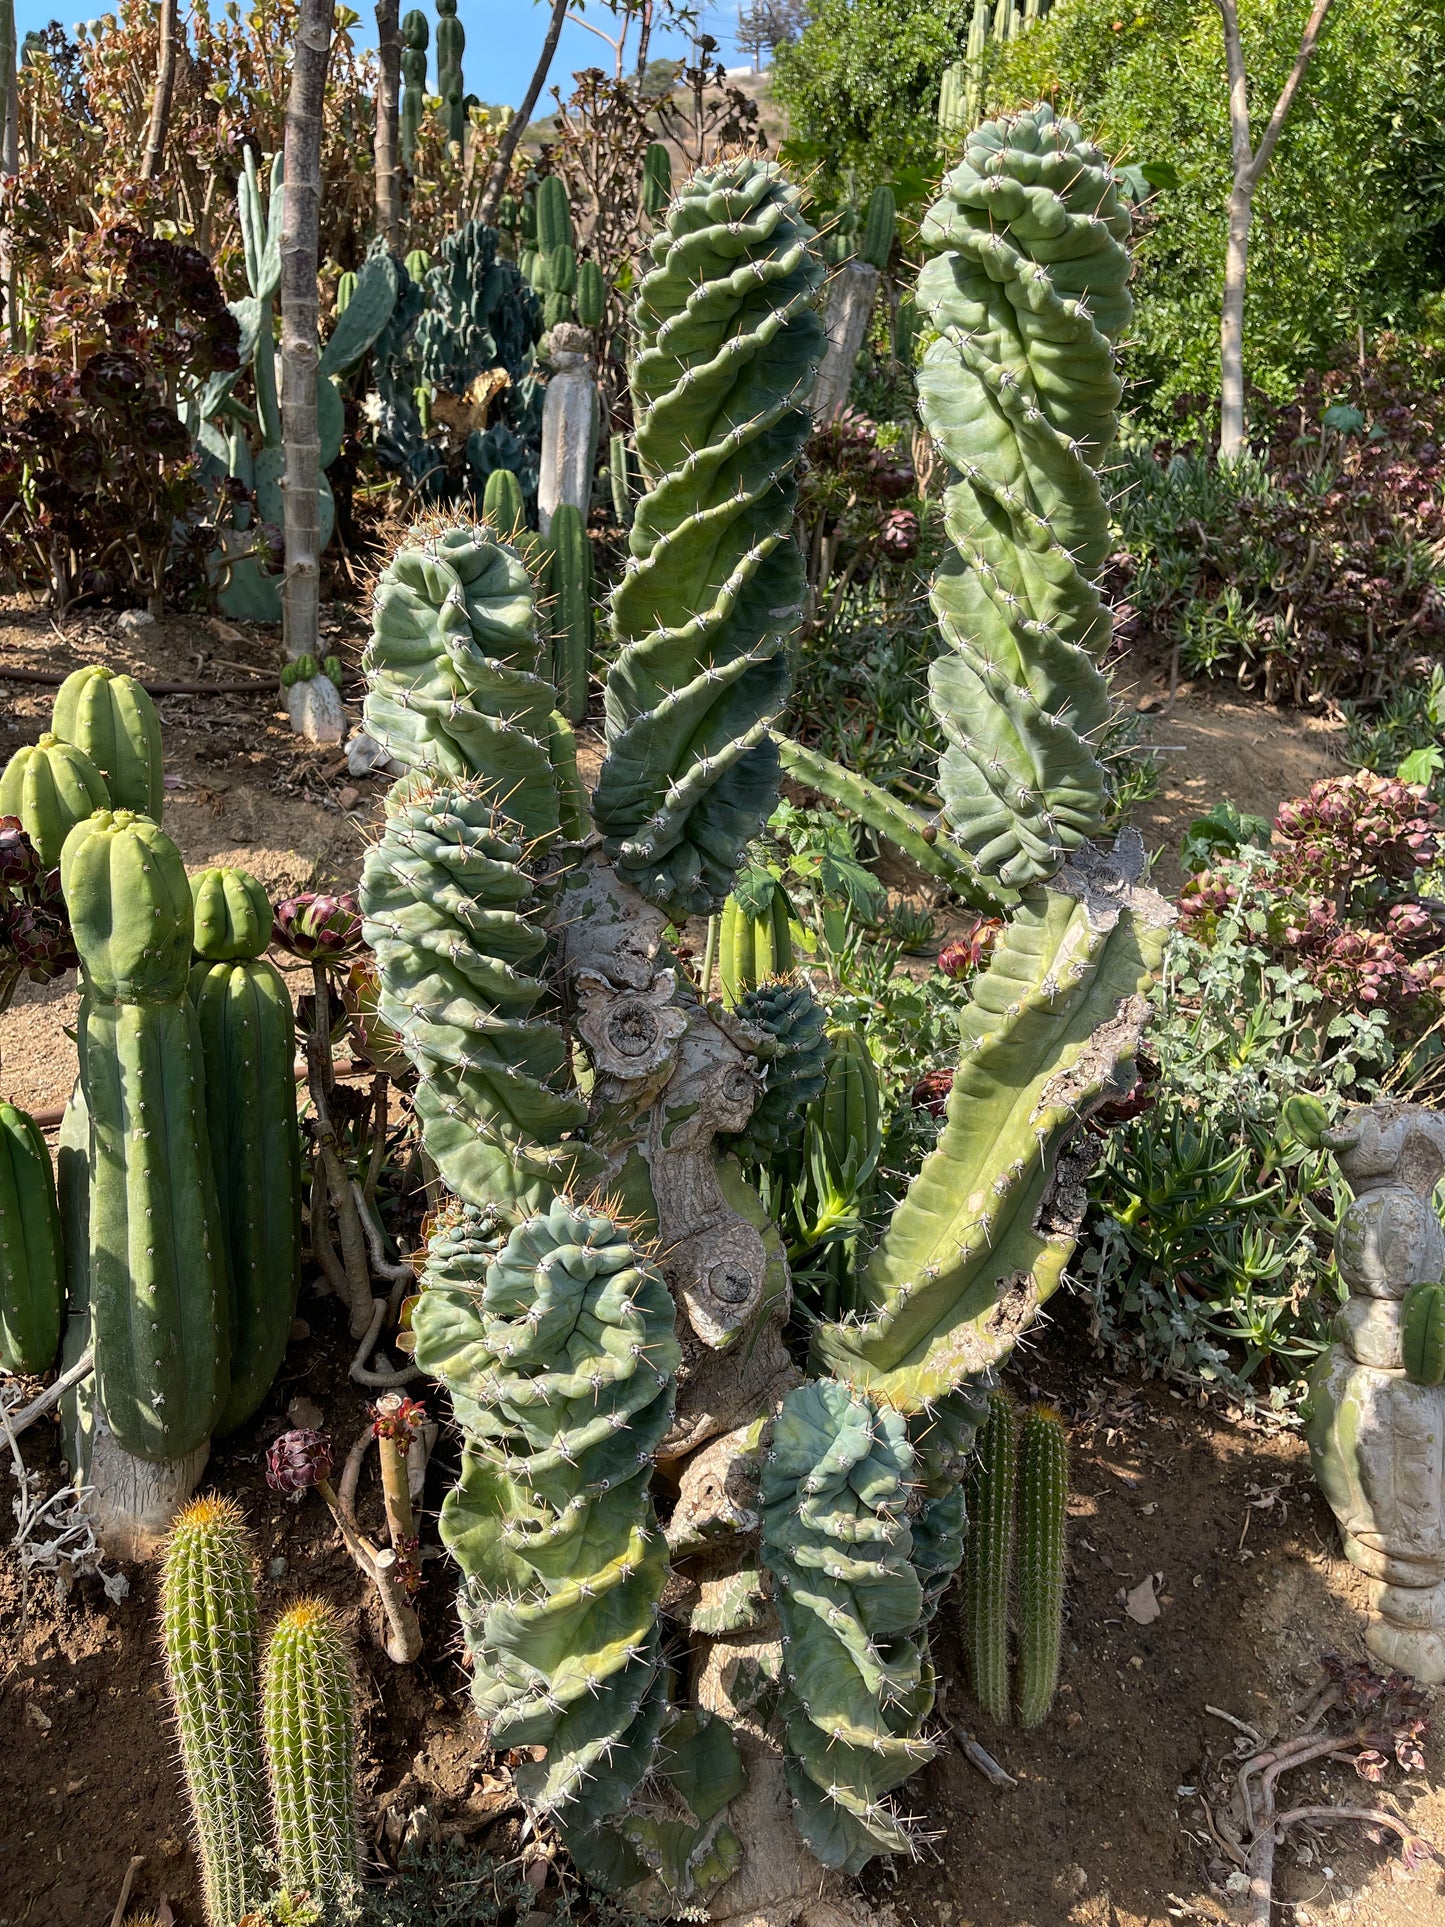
{"x": 309, "y": 1726}
{"x": 1028, "y": 238}
{"x": 989, "y": 1557}
{"x": 210, "y": 1632}
{"x": 727, "y": 337}
{"x": 159, "y": 1290}
{"x": 50, "y": 786}
{"x": 112, "y": 718}
{"x": 32, "y": 1265}
{"x": 1043, "y": 1495}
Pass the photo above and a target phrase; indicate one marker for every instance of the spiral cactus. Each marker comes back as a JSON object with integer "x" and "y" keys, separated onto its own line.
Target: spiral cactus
{"x": 557, "y": 1347}
{"x": 858, "y": 1680}
{"x": 446, "y": 897}
{"x": 1027, "y": 293}
{"x": 451, "y": 668}
{"x": 209, "y": 1628}
{"x": 728, "y": 345}
{"x": 309, "y": 1724}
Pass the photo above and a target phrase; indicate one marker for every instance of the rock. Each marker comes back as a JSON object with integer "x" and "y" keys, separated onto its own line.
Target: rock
{"x": 278, "y": 1568}
{"x": 305, "y": 1412}
{"x": 314, "y": 710}
{"x": 366, "y": 757}
{"x": 130, "y": 620}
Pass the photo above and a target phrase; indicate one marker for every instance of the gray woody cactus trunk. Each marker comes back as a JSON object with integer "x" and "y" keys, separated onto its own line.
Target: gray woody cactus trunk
{"x": 698, "y": 1566}
{"x": 300, "y": 346}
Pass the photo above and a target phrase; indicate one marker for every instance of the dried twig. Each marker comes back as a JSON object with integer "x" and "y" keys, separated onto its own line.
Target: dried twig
{"x": 21, "y": 1419}
{"x": 981, "y": 1758}
{"x": 136, "y": 1863}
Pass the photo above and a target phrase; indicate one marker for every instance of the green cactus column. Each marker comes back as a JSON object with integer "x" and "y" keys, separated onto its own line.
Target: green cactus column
{"x": 51, "y": 786}
{"x": 1042, "y": 1511}
{"x": 209, "y": 1629}
{"x": 989, "y": 1561}
{"x": 415, "y": 39}
{"x": 728, "y": 343}
{"x": 309, "y": 1723}
{"x": 159, "y": 1289}
{"x": 1026, "y": 289}
{"x": 32, "y": 1264}
{"x": 113, "y": 720}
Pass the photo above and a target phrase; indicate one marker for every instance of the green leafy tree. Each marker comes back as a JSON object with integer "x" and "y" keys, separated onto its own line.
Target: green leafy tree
{"x": 860, "y": 85}
{"x": 1349, "y": 226}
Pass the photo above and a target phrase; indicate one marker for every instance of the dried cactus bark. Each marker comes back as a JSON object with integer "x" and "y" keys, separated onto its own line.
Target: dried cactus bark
{"x": 1027, "y": 292}
{"x": 728, "y": 342}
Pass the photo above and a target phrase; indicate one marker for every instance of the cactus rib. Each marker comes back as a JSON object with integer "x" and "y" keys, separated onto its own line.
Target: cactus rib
{"x": 1027, "y": 293}
{"x": 729, "y": 342}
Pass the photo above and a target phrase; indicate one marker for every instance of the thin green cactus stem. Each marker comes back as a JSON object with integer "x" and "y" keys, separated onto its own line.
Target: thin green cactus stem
{"x": 209, "y": 1629}
{"x": 989, "y": 1561}
{"x": 1026, "y": 290}
{"x": 309, "y": 1724}
{"x": 728, "y": 346}
{"x": 858, "y": 1683}
{"x": 556, "y": 1344}
{"x": 1043, "y": 1496}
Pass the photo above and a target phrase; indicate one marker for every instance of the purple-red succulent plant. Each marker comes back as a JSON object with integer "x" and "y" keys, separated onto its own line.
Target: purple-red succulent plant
{"x": 298, "y": 1460}
{"x": 319, "y": 928}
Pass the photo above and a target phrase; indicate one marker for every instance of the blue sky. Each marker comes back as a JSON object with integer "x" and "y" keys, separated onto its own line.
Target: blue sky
{"x": 503, "y": 38}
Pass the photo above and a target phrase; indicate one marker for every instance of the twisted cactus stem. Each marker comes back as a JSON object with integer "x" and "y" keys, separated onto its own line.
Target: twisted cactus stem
{"x": 1026, "y": 290}
{"x": 728, "y": 346}
{"x": 309, "y": 1725}
{"x": 210, "y": 1632}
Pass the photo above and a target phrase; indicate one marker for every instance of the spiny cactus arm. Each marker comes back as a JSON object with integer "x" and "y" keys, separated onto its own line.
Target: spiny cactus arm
{"x": 858, "y": 1683}
{"x": 968, "y": 1257}
{"x": 451, "y": 674}
{"x": 1043, "y": 1496}
{"x": 558, "y": 1347}
{"x": 447, "y": 907}
{"x": 32, "y": 1262}
{"x": 905, "y": 828}
{"x": 989, "y": 1559}
{"x": 309, "y": 1723}
{"x": 728, "y": 346}
{"x": 210, "y": 1633}
{"x": 1027, "y": 293}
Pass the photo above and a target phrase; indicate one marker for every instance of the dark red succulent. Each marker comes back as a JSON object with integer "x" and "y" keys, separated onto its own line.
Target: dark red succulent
{"x": 18, "y": 859}
{"x": 319, "y": 928}
{"x": 298, "y": 1460}
{"x": 931, "y": 1092}
{"x": 401, "y": 1425}
{"x": 970, "y": 947}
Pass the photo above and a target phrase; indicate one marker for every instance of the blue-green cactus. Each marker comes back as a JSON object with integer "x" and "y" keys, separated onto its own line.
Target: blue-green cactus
{"x": 728, "y": 343}
{"x": 795, "y": 1049}
{"x": 1026, "y": 289}
{"x": 858, "y": 1683}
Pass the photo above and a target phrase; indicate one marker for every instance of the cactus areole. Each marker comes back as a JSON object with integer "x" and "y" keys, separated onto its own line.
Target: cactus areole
{"x": 699, "y": 1561}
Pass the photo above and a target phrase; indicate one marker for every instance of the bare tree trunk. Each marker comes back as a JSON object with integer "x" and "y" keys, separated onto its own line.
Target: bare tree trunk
{"x": 165, "y": 90}
{"x": 9, "y": 155}
{"x": 497, "y": 179}
{"x": 1249, "y": 166}
{"x": 644, "y": 38}
{"x": 301, "y": 587}
{"x": 388, "y": 110}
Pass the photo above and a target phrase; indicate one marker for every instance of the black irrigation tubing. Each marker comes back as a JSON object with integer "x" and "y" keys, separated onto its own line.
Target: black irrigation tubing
{"x": 52, "y": 680}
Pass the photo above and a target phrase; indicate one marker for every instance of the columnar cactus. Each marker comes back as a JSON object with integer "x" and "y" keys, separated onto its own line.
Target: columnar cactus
{"x": 32, "y": 1264}
{"x": 1027, "y": 292}
{"x": 309, "y": 1726}
{"x": 571, "y": 584}
{"x": 989, "y": 1558}
{"x": 728, "y": 342}
{"x": 209, "y": 1629}
{"x": 755, "y": 939}
{"x": 1042, "y": 1508}
{"x": 51, "y": 786}
{"x": 248, "y": 1042}
{"x": 158, "y": 1283}
{"x": 415, "y": 39}
{"x": 112, "y": 718}
{"x": 557, "y": 1345}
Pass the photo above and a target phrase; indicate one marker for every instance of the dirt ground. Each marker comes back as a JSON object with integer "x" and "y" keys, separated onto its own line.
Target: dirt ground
{"x": 1104, "y": 1827}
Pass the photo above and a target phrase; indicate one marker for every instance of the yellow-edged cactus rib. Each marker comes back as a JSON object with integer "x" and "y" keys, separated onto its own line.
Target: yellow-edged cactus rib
{"x": 966, "y": 1261}
{"x": 309, "y": 1723}
{"x": 446, "y": 898}
{"x": 209, "y": 1628}
{"x": 451, "y": 670}
{"x": 728, "y": 343}
{"x": 1027, "y": 292}
{"x": 557, "y": 1346}
{"x": 858, "y": 1682}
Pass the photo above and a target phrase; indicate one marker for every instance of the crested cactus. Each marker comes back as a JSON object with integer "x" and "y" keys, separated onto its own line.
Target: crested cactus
{"x": 1043, "y": 1496}
{"x": 210, "y": 1633}
{"x": 556, "y": 1342}
{"x": 858, "y": 1681}
{"x": 794, "y": 1051}
{"x": 51, "y": 786}
{"x": 112, "y": 718}
{"x": 308, "y": 1714}
{"x": 989, "y": 1559}
{"x": 32, "y": 1264}
{"x": 728, "y": 341}
{"x": 447, "y": 900}
{"x": 248, "y": 1040}
{"x": 158, "y": 1280}
{"x": 1026, "y": 292}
